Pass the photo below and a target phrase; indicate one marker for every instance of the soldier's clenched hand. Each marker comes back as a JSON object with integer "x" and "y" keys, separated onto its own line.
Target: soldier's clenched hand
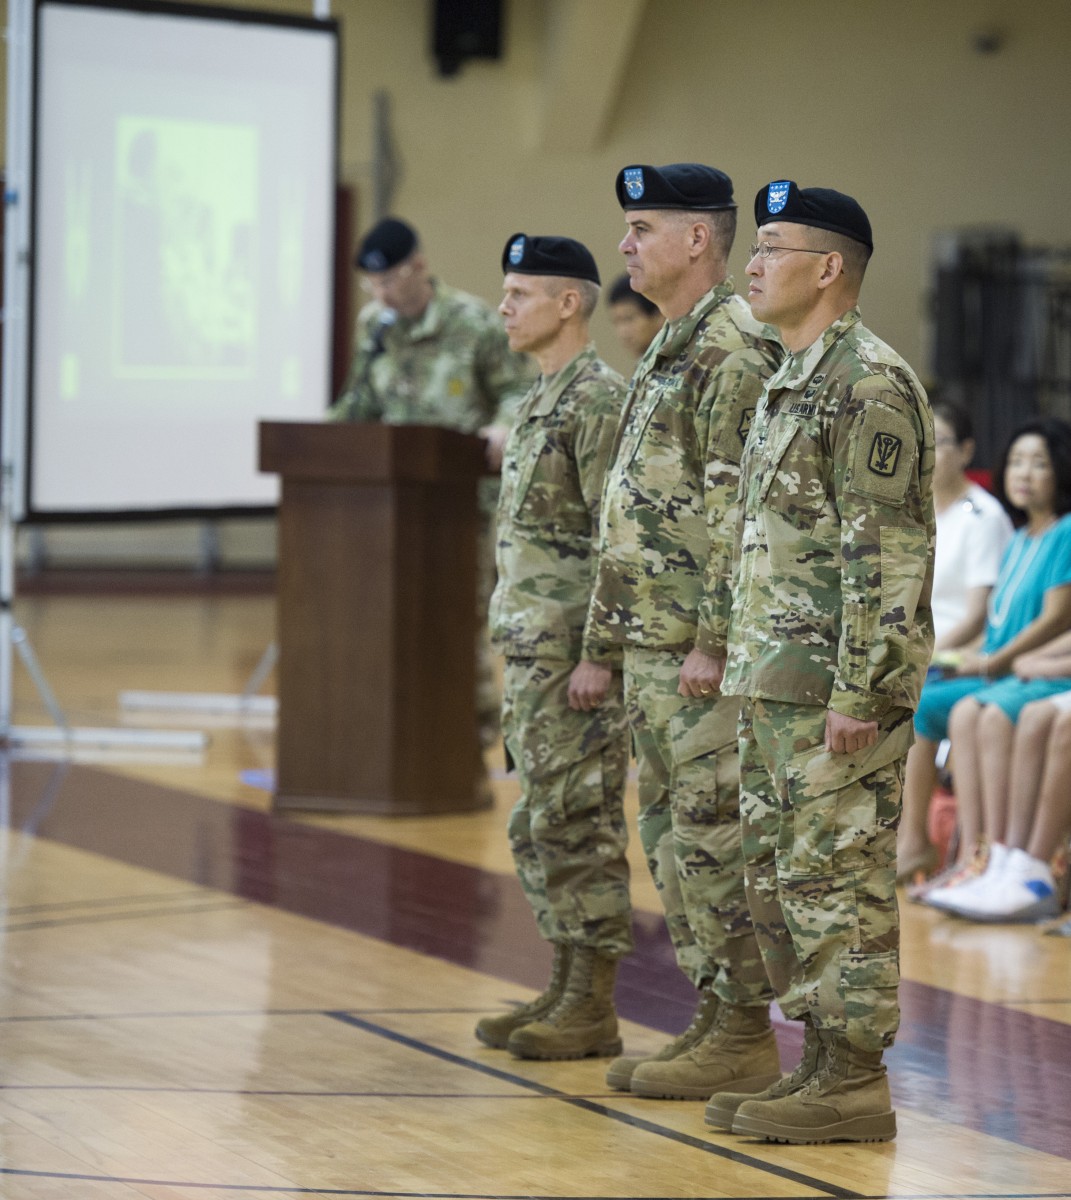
{"x": 588, "y": 685}
{"x": 701, "y": 674}
{"x": 845, "y": 735}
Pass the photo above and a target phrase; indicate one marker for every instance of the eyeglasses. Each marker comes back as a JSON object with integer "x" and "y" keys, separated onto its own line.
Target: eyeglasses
{"x": 764, "y": 250}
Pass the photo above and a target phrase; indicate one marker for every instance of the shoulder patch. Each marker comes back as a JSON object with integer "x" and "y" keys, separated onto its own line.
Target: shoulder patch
{"x": 885, "y": 453}
{"x": 886, "y": 450}
{"x": 731, "y": 417}
{"x": 744, "y": 428}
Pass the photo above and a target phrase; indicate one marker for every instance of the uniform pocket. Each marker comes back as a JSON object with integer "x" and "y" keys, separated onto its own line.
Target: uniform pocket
{"x": 705, "y": 773}
{"x": 662, "y": 445}
{"x": 547, "y": 492}
{"x": 795, "y": 488}
{"x": 869, "y": 985}
{"x": 703, "y": 727}
{"x": 834, "y": 817}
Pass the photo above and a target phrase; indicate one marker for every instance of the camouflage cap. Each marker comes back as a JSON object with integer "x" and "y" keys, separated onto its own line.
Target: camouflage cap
{"x": 385, "y": 245}
{"x": 549, "y": 256}
{"x": 689, "y": 186}
{"x": 821, "y": 208}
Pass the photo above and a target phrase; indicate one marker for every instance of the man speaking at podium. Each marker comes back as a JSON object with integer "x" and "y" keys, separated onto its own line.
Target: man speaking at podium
{"x": 428, "y": 354}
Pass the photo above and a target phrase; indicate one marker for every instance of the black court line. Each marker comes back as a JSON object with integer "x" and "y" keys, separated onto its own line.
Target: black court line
{"x": 227, "y": 905}
{"x": 277, "y": 1189}
{"x": 186, "y": 1014}
{"x": 484, "y": 923}
{"x": 601, "y": 1110}
{"x": 22, "y": 910}
{"x": 393, "y": 1094}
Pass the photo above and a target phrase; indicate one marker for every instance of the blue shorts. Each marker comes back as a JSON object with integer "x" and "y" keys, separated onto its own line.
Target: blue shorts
{"x": 1010, "y": 695}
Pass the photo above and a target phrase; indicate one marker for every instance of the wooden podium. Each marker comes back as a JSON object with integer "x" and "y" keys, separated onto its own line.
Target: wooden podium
{"x": 376, "y": 597}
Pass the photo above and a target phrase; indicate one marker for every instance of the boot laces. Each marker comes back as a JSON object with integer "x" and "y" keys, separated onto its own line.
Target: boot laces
{"x": 700, "y": 1018}
{"x": 823, "y": 1071}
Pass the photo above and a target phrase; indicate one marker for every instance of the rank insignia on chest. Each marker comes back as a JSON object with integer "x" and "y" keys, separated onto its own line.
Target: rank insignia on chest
{"x": 744, "y": 428}
{"x": 801, "y": 409}
{"x": 885, "y": 454}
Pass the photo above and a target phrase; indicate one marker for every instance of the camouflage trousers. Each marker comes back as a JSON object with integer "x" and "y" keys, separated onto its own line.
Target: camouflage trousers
{"x": 567, "y": 832}
{"x": 689, "y": 824}
{"x": 819, "y": 833}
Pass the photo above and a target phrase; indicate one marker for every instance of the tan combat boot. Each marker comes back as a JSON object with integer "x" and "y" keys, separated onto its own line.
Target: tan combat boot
{"x": 721, "y": 1110}
{"x": 619, "y": 1075}
{"x": 845, "y": 1100}
{"x": 738, "y": 1050}
{"x": 583, "y": 1021}
{"x": 495, "y": 1031}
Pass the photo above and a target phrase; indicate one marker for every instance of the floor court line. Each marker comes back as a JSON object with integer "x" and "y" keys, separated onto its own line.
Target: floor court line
{"x": 109, "y": 918}
{"x": 634, "y": 1122}
{"x": 382, "y": 891}
{"x": 60, "y": 906}
{"x": 277, "y": 1190}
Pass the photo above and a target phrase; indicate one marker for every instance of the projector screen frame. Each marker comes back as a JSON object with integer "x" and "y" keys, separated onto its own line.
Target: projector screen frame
{"x": 335, "y": 266}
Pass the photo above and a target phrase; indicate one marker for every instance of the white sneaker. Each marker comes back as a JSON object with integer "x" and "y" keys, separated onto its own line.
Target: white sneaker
{"x": 951, "y": 898}
{"x": 1025, "y": 891}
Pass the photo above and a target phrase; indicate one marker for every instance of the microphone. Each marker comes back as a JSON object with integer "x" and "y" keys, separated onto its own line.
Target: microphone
{"x": 386, "y": 319}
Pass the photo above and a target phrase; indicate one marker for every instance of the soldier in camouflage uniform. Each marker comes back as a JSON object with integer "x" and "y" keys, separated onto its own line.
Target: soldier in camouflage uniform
{"x": 662, "y": 592}
{"x": 427, "y": 354}
{"x": 829, "y": 641}
{"x": 563, "y": 717}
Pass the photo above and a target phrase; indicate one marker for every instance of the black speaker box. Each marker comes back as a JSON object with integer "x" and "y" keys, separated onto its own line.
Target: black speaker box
{"x": 464, "y": 29}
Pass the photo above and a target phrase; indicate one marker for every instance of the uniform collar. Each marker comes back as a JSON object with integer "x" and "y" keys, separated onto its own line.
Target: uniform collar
{"x": 678, "y": 333}
{"x": 799, "y": 367}
{"x": 549, "y": 388}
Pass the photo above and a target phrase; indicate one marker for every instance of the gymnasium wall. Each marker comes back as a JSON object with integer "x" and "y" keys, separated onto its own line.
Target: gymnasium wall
{"x": 935, "y": 115}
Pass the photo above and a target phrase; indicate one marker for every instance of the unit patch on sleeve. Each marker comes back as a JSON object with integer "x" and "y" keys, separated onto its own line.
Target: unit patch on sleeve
{"x": 886, "y": 451}
{"x": 744, "y": 428}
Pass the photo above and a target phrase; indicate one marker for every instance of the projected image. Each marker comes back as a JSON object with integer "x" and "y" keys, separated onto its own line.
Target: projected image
{"x": 183, "y": 265}
{"x": 185, "y": 247}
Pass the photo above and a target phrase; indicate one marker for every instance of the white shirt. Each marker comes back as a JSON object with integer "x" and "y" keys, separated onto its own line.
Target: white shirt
{"x": 971, "y": 536}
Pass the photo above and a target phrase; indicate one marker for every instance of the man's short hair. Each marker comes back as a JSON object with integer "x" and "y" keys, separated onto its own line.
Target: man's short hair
{"x": 720, "y": 222}
{"x": 854, "y": 253}
{"x": 588, "y": 291}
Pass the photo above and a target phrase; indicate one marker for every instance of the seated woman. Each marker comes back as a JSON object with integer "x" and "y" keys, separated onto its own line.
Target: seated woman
{"x": 973, "y": 530}
{"x": 1018, "y": 794}
{"x": 1030, "y": 605}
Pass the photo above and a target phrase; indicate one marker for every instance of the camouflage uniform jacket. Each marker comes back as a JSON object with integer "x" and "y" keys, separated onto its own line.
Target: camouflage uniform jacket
{"x": 832, "y": 589}
{"x": 450, "y": 366}
{"x": 552, "y": 473}
{"x": 669, "y": 503}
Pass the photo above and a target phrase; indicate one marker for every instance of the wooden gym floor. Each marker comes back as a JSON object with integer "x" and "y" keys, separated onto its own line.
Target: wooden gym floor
{"x": 203, "y": 1001}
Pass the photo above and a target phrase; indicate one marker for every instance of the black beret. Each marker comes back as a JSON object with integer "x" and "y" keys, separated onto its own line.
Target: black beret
{"x": 821, "y": 208}
{"x": 689, "y": 186}
{"x": 549, "y": 256}
{"x": 386, "y": 244}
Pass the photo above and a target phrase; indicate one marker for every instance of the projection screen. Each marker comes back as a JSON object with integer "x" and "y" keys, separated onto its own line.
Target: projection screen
{"x": 183, "y": 235}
